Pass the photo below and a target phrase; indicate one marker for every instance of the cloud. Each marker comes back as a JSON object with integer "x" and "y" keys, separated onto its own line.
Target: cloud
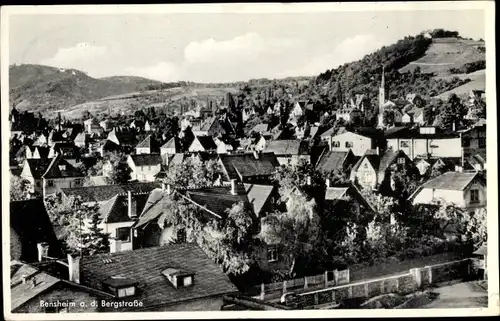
{"x": 348, "y": 50}
{"x": 77, "y": 56}
{"x": 245, "y": 48}
{"x": 163, "y": 71}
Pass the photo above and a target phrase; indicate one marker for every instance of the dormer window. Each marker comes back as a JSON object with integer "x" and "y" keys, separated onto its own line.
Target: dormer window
{"x": 179, "y": 278}
{"x": 120, "y": 286}
{"x": 62, "y": 167}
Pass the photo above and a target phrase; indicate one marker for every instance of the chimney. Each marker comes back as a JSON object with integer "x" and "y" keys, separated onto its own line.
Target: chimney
{"x": 23, "y": 278}
{"x": 74, "y": 268}
{"x": 378, "y": 150}
{"x": 43, "y": 250}
{"x": 131, "y": 212}
{"x": 453, "y": 126}
{"x": 459, "y": 168}
{"x": 328, "y": 183}
{"x": 256, "y": 154}
{"x": 163, "y": 187}
{"x": 169, "y": 189}
{"x": 308, "y": 180}
{"x": 233, "y": 187}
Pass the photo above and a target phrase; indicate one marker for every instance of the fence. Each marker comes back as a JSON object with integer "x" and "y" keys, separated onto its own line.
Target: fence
{"x": 274, "y": 290}
{"x": 404, "y": 283}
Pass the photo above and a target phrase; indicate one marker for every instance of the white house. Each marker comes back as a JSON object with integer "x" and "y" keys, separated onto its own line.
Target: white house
{"x": 171, "y": 147}
{"x": 203, "y": 144}
{"x": 144, "y": 166}
{"x": 222, "y": 147}
{"x": 359, "y": 140}
{"x": 465, "y": 189}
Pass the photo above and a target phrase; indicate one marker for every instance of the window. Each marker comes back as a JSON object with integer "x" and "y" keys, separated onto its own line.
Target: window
{"x": 123, "y": 292}
{"x": 482, "y": 142}
{"x": 404, "y": 144}
{"x": 78, "y": 182}
{"x": 336, "y": 143}
{"x": 188, "y": 280}
{"x": 349, "y": 144}
{"x": 367, "y": 177}
{"x": 272, "y": 254}
{"x": 50, "y": 183}
{"x": 401, "y": 160}
{"x": 474, "y": 196}
{"x": 181, "y": 236}
{"x": 123, "y": 234}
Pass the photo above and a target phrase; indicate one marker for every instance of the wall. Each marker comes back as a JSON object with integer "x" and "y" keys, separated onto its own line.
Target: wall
{"x": 360, "y": 143}
{"x": 143, "y": 173}
{"x": 365, "y": 175}
{"x": 116, "y": 245}
{"x": 445, "y": 147}
{"x": 143, "y": 150}
{"x": 196, "y": 146}
{"x": 482, "y": 196}
{"x": 59, "y": 183}
{"x": 60, "y": 293}
{"x": 426, "y": 195}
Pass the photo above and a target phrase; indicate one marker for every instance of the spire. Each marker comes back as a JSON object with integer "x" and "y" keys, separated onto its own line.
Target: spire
{"x": 382, "y": 84}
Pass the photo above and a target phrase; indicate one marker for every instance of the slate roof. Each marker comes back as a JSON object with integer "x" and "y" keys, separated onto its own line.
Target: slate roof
{"x": 149, "y": 142}
{"x": 207, "y": 142}
{"x": 30, "y": 224}
{"x": 246, "y": 165}
{"x": 287, "y": 147}
{"x": 145, "y": 266}
{"x": 102, "y": 193}
{"x": 456, "y": 181}
{"x": 146, "y": 159}
{"x": 54, "y": 170}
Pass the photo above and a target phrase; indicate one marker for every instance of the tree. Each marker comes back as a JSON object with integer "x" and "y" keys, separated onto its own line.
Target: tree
{"x": 476, "y": 227}
{"x": 452, "y": 112}
{"x": 19, "y": 188}
{"x": 193, "y": 173}
{"x": 94, "y": 240}
{"x": 388, "y": 117}
{"x": 296, "y": 231}
{"x": 120, "y": 171}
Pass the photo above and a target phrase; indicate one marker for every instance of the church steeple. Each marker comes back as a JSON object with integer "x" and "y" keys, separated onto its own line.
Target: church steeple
{"x": 381, "y": 100}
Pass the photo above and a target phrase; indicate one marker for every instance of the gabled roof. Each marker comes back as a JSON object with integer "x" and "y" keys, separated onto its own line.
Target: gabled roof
{"x": 59, "y": 168}
{"x": 206, "y": 125}
{"x": 146, "y": 159}
{"x": 246, "y": 165}
{"x": 380, "y": 163}
{"x": 207, "y": 142}
{"x": 30, "y": 224}
{"x": 258, "y": 195}
{"x": 173, "y": 142}
{"x": 329, "y": 133}
{"x": 102, "y": 193}
{"x": 154, "y": 288}
{"x": 149, "y": 142}
{"x": 260, "y": 128}
{"x": 333, "y": 160}
{"x": 345, "y": 191}
{"x": 456, "y": 181}
{"x": 38, "y": 166}
{"x": 287, "y": 147}
{"x": 115, "y": 210}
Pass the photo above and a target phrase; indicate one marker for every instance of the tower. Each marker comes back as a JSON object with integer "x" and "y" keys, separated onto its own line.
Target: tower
{"x": 381, "y": 100}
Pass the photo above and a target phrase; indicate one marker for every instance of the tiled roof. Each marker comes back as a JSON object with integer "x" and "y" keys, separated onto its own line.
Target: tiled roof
{"x": 56, "y": 171}
{"x": 152, "y": 209}
{"x": 149, "y": 142}
{"x": 146, "y": 159}
{"x": 38, "y": 166}
{"x": 246, "y": 165}
{"x": 105, "y": 192}
{"x": 30, "y": 224}
{"x": 22, "y": 293}
{"x": 287, "y": 147}
{"x": 207, "y": 142}
{"x": 456, "y": 181}
{"x": 258, "y": 196}
{"x": 217, "y": 199}
{"x": 332, "y": 160}
{"x": 116, "y": 209}
{"x": 145, "y": 266}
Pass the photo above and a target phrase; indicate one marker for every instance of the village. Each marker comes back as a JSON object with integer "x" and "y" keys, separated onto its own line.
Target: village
{"x": 216, "y": 208}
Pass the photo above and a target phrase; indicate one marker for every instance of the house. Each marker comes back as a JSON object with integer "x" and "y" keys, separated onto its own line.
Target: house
{"x": 413, "y": 116}
{"x": 33, "y": 290}
{"x": 48, "y": 175}
{"x": 222, "y": 147}
{"x": 182, "y": 278}
{"x": 81, "y": 140}
{"x": 289, "y": 152}
{"x": 66, "y": 149}
{"x": 102, "y": 193}
{"x": 442, "y": 164}
{"x": 330, "y": 161}
{"x": 106, "y": 124}
{"x": 171, "y": 147}
{"x": 358, "y": 140}
{"x": 203, "y": 144}
{"x": 92, "y": 127}
{"x": 144, "y": 166}
{"x": 335, "y": 194}
{"x": 298, "y": 109}
{"x": 25, "y": 237}
{"x": 258, "y": 144}
{"x": 36, "y": 152}
{"x": 465, "y": 189}
{"x": 107, "y": 146}
{"x": 136, "y": 125}
{"x": 148, "y": 146}
{"x": 122, "y": 137}
{"x": 424, "y": 141}
{"x": 210, "y": 127}
{"x": 259, "y": 128}
{"x": 373, "y": 170}
{"x": 473, "y": 140}
{"x": 148, "y": 127}
{"x": 248, "y": 167}
{"x": 118, "y": 215}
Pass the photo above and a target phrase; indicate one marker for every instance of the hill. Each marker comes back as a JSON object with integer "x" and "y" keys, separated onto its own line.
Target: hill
{"x": 48, "y": 89}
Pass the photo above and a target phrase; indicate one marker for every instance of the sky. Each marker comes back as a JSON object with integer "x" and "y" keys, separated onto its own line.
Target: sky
{"x": 219, "y": 47}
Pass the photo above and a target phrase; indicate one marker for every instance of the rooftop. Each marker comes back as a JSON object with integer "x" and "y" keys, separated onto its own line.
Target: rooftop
{"x": 105, "y": 192}
{"x": 456, "y": 181}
